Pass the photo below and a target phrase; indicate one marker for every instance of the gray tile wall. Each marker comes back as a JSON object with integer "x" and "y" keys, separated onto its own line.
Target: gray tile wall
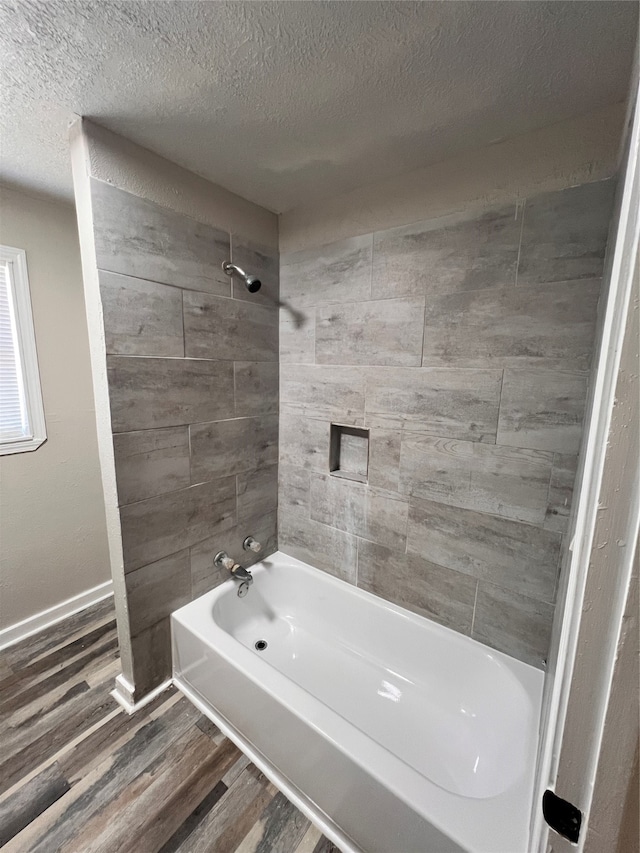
{"x": 192, "y": 362}
{"x": 464, "y": 347}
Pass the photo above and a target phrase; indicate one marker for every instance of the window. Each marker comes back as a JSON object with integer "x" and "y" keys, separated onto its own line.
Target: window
{"x": 22, "y": 424}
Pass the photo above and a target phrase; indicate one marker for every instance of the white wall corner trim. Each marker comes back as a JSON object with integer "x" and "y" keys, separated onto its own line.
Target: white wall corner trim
{"x": 46, "y": 618}
{"x": 124, "y": 690}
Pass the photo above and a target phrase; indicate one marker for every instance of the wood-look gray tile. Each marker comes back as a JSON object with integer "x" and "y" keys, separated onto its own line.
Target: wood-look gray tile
{"x": 180, "y": 841}
{"x": 387, "y": 332}
{"x": 261, "y": 261}
{"x": 338, "y": 503}
{"x": 281, "y": 827}
{"x": 542, "y": 409}
{"x": 165, "y": 524}
{"x": 512, "y": 623}
{"x": 141, "y": 317}
{"x": 324, "y": 391}
{"x": 297, "y": 334}
{"x": 337, "y": 272}
{"x": 151, "y": 462}
{"x": 384, "y": 458}
{"x": 151, "y": 651}
{"x": 75, "y": 710}
{"x": 440, "y": 594}
{"x": 220, "y": 448}
{"x": 29, "y": 801}
{"x": 358, "y": 509}
{"x": 504, "y": 481}
{"x": 385, "y": 518}
{"x": 304, "y": 441}
{"x": 294, "y": 487}
{"x": 257, "y": 493}
{"x": 515, "y": 556}
{"x": 324, "y": 547}
{"x": 564, "y": 236}
{"x": 443, "y": 257}
{"x": 563, "y": 475}
{"x": 90, "y": 796}
{"x": 549, "y": 325}
{"x": 454, "y": 403}
{"x": 205, "y": 575}
{"x": 351, "y": 451}
{"x": 147, "y": 393}
{"x": 232, "y": 819}
{"x": 264, "y": 528}
{"x": 256, "y": 388}
{"x": 154, "y": 591}
{"x": 137, "y": 237}
{"x": 163, "y": 799}
{"x": 229, "y": 329}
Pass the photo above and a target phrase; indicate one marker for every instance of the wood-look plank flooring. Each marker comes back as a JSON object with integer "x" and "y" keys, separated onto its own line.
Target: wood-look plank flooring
{"x": 78, "y": 775}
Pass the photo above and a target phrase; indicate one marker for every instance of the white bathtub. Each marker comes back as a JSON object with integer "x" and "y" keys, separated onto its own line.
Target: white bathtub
{"x": 392, "y": 733}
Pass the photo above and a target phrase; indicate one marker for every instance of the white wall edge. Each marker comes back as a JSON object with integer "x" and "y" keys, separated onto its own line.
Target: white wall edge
{"x": 598, "y": 425}
{"x": 131, "y": 707}
{"x": 46, "y": 618}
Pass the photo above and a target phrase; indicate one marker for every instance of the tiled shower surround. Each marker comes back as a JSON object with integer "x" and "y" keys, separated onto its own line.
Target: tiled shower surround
{"x": 192, "y": 361}
{"x": 464, "y": 347}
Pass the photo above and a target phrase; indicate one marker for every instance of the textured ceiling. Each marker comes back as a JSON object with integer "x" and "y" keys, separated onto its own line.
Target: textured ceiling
{"x": 285, "y": 103}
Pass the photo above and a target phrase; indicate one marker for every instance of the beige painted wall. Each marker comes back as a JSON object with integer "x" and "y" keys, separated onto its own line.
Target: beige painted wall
{"x": 565, "y": 154}
{"x": 53, "y": 534}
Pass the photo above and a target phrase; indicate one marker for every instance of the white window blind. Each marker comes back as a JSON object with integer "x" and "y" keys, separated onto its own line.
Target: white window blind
{"x": 21, "y": 414}
{"x": 14, "y": 421}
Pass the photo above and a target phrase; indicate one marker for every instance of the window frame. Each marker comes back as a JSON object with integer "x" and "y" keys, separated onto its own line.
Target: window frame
{"x": 20, "y": 296}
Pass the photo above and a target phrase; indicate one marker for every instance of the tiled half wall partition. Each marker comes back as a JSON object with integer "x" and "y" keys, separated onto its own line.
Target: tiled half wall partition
{"x": 464, "y": 348}
{"x": 192, "y": 361}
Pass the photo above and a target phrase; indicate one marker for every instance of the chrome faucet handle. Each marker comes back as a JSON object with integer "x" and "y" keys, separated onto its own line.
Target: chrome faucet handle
{"x": 251, "y": 544}
{"x": 223, "y": 561}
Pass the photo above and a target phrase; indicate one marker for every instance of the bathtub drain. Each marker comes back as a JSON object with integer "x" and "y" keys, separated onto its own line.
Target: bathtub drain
{"x": 261, "y": 645}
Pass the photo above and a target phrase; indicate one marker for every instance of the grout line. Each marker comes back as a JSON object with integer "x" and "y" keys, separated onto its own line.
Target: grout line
{"x": 496, "y": 442}
{"x": 561, "y": 554}
{"x": 184, "y": 336}
{"x": 371, "y": 269}
{"x": 524, "y": 204}
{"x": 473, "y": 616}
{"x": 424, "y": 331}
{"x": 235, "y": 389}
{"x": 553, "y": 463}
{"x": 180, "y": 287}
{"x": 315, "y": 334}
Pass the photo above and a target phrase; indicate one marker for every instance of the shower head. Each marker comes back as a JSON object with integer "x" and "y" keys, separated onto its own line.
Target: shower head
{"x": 252, "y": 283}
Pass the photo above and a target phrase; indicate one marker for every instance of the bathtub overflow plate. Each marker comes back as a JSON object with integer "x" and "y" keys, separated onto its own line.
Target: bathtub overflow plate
{"x": 261, "y": 645}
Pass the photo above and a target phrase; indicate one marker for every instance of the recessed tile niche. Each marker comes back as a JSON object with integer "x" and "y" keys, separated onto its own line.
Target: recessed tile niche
{"x": 349, "y": 453}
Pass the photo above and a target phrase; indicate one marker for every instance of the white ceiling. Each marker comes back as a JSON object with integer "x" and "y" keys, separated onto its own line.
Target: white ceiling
{"x": 285, "y": 103}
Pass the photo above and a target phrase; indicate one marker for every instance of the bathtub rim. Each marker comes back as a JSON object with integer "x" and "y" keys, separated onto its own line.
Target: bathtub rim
{"x": 524, "y": 680}
{"x": 529, "y": 673}
{"x": 282, "y": 689}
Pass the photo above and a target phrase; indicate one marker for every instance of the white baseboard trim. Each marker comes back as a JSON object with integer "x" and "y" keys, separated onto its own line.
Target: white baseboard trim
{"x": 123, "y": 691}
{"x": 34, "y": 624}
